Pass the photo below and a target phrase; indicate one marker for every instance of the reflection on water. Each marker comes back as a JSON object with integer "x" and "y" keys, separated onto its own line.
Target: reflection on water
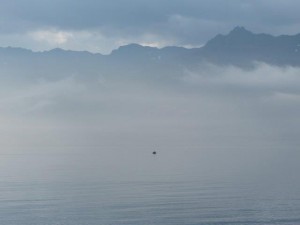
{"x": 68, "y": 189}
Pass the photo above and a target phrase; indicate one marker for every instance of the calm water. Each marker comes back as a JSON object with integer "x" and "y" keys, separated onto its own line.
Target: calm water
{"x": 100, "y": 188}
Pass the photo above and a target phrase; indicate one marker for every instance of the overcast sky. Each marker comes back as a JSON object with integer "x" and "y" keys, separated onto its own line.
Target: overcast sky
{"x": 103, "y": 25}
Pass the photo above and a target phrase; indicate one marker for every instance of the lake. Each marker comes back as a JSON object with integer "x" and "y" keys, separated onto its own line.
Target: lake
{"x": 89, "y": 186}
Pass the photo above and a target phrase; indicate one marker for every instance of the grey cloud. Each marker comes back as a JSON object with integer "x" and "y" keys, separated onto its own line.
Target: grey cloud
{"x": 179, "y": 22}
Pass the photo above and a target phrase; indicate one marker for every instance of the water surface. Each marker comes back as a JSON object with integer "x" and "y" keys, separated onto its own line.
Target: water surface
{"x": 111, "y": 187}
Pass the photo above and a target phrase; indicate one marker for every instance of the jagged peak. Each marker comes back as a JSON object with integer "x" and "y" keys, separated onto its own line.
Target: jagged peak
{"x": 240, "y": 30}
{"x": 238, "y": 35}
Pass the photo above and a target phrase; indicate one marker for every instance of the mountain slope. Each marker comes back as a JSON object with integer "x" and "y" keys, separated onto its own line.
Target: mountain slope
{"x": 239, "y": 47}
{"x": 243, "y": 46}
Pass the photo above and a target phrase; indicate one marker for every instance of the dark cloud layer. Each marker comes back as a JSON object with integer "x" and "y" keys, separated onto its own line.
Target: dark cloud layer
{"x": 189, "y": 22}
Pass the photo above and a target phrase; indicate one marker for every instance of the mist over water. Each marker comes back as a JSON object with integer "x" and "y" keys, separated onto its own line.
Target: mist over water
{"x": 80, "y": 152}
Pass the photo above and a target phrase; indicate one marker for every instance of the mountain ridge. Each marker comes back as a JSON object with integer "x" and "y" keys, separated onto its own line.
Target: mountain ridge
{"x": 239, "y": 47}
{"x": 238, "y": 30}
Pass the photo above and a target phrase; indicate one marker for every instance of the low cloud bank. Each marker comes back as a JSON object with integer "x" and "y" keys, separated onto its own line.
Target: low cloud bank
{"x": 210, "y": 101}
{"x": 222, "y": 116}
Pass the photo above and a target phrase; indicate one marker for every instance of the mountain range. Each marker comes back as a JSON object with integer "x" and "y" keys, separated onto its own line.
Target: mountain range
{"x": 239, "y": 47}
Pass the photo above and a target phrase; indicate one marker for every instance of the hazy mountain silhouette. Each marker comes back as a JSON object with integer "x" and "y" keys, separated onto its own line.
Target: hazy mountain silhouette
{"x": 239, "y": 47}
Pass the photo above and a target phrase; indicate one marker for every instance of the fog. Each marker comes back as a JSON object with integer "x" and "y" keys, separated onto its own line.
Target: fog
{"x": 213, "y": 120}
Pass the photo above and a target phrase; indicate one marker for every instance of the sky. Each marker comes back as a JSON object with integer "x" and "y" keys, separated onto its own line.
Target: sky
{"x": 101, "y": 26}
